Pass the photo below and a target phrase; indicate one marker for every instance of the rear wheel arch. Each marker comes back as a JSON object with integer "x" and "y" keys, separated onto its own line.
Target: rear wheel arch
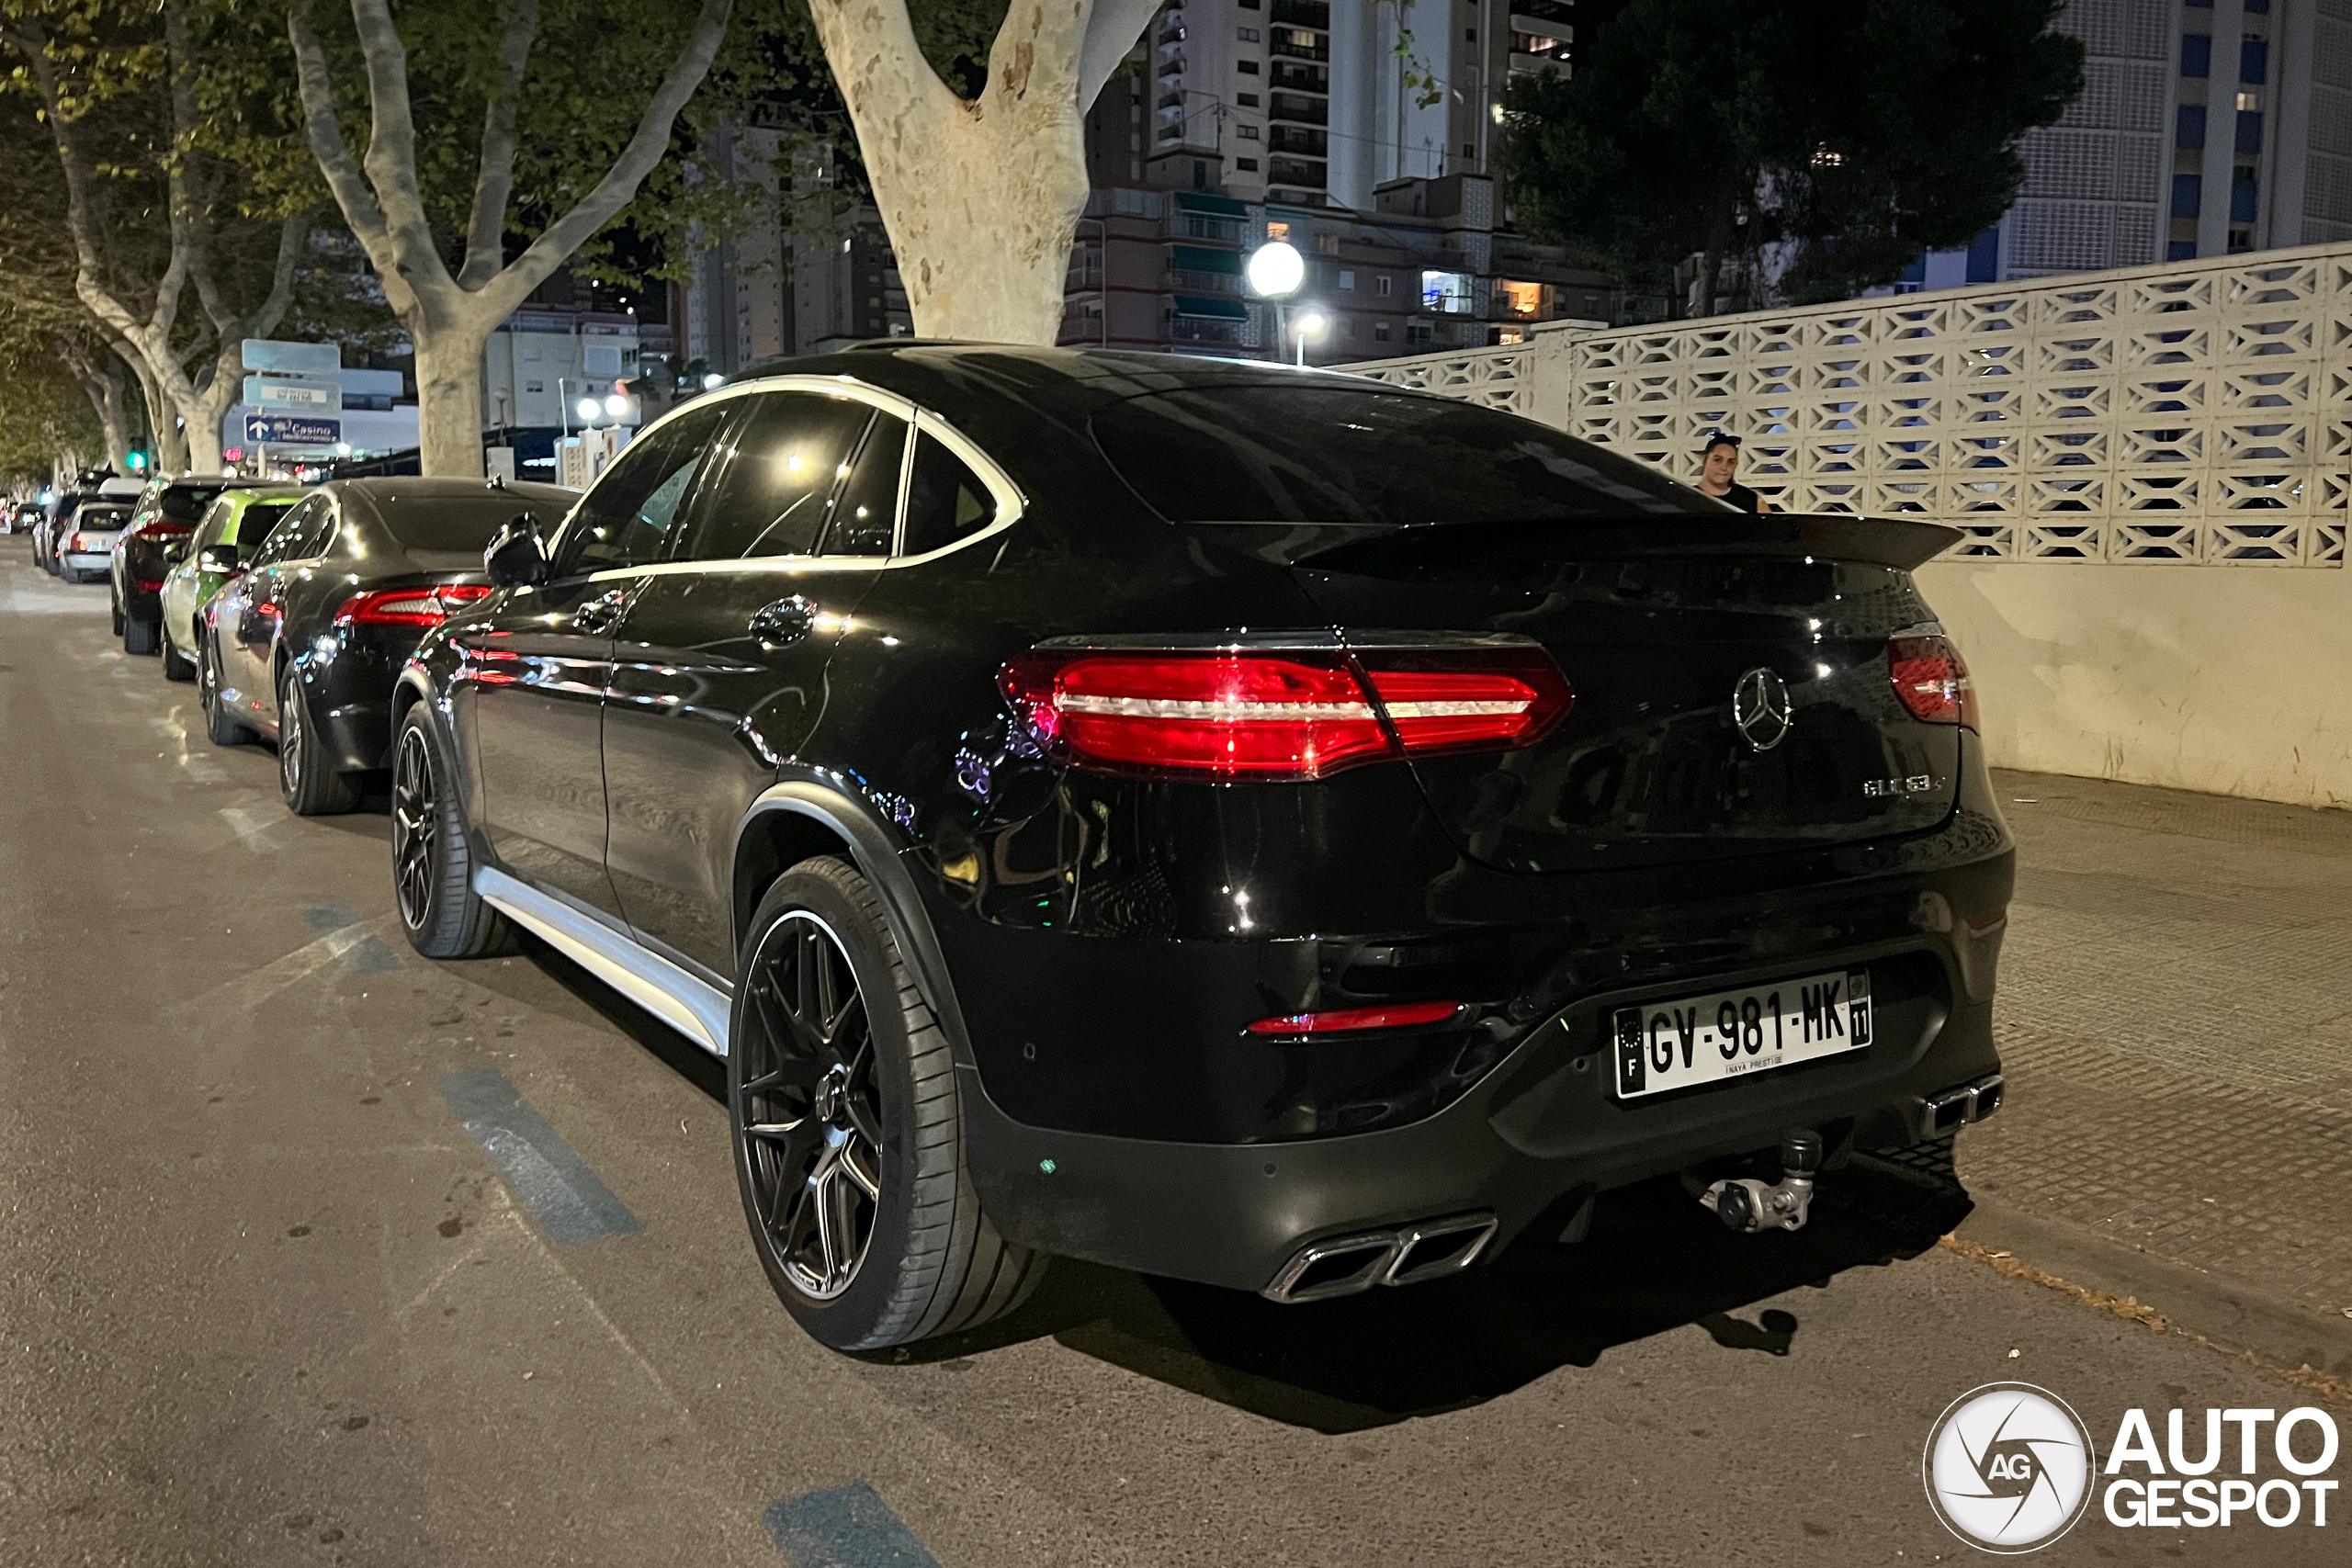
{"x": 799, "y": 819}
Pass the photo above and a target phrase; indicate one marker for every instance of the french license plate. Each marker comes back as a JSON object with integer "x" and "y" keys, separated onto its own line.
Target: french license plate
{"x": 1666, "y": 1045}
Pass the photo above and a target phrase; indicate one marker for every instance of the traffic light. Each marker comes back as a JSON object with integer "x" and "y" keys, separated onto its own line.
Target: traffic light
{"x": 135, "y": 461}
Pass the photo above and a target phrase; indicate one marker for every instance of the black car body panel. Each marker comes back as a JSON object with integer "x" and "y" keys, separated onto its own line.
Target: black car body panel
{"x": 347, "y": 540}
{"x": 629, "y": 740}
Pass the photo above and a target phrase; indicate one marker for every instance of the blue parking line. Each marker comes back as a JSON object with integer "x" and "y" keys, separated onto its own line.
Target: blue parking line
{"x": 367, "y": 956}
{"x": 847, "y": 1527}
{"x": 556, "y": 1185}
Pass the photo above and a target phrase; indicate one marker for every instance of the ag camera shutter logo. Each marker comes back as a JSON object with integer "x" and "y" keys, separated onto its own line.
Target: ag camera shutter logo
{"x": 2008, "y": 1466}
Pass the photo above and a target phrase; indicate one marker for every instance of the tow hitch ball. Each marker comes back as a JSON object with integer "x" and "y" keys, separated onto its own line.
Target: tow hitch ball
{"x": 1749, "y": 1205}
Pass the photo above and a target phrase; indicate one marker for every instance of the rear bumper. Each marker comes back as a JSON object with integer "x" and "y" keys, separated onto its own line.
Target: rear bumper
{"x": 84, "y": 561}
{"x": 143, "y": 604}
{"x": 1533, "y": 1139}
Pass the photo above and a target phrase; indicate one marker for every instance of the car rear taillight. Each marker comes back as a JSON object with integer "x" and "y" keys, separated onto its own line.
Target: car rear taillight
{"x": 409, "y": 606}
{"x": 1932, "y": 679}
{"x": 148, "y": 584}
{"x": 159, "y": 529}
{"x": 1340, "y": 1020}
{"x": 1281, "y": 714}
{"x": 75, "y": 543}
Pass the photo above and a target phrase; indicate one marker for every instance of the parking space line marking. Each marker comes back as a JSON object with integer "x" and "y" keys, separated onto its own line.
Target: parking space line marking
{"x": 366, "y": 956}
{"x": 570, "y": 1204}
{"x": 260, "y": 831}
{"x": 846, "y": 1527}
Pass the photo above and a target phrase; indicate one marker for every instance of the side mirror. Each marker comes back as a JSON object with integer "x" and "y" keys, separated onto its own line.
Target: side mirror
{"x": 217, "y": 557}
{"x": 518, "y": 556}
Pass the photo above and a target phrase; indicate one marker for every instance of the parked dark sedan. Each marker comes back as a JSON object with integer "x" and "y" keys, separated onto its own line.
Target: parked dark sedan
{"x": 302, "y": 647}
{"x": 158, "y": 530}
{"x": 1243, "y": 824}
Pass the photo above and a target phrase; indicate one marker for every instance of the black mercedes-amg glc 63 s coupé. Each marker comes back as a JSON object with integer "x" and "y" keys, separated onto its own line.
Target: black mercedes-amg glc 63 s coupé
{"x": 1237, "y": 823}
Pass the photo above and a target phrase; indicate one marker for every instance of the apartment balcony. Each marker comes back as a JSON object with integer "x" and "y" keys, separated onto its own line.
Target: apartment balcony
{"x": 1188, "y": 329}
{"x": 1184, "y": 280}
{"x": 1313, "y": 14}
{"x": 1291, "y": 172}
{"x": 1289, "y": 138}
{"x": 1183, "y": 225}
{"x": 1301, "y": 78}
{"x": 1555, "y": 18}
{"x": 1304, "y": 111}
{"x": 1291, "y": 44}
{"x": 1171, "y": 34}
{"x": 1170, "y": 100}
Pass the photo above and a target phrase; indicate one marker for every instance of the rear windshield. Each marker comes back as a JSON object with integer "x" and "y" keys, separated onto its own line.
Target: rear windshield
{"x": 185, "y": 503}
{"x": 93, "y": 519}
{"x": 458, "y": 523}
{"x": 1339, "y": 454}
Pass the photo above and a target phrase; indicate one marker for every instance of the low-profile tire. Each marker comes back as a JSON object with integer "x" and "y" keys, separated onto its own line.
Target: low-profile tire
{"x": 432, "y": 861}
{"x": 177, "y": 666}
{"x": 141, "y": 637}
{"x": 311, "y": 788}
{"x": 220, "y": 727}
{"x": 847, "y": 1122}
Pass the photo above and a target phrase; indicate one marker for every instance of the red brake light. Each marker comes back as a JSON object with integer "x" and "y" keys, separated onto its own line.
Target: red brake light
{"x": 409, "y": 606}
{"x": 1269, "y": 714}
{"x": 1389, "y": 1015}
{"x": 148, "y": 584}
{"x": 159, "y": 528}
{"x": 1932, "y": 679}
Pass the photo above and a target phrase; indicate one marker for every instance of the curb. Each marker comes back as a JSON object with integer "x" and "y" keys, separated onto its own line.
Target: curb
{"x": 2193, "y": 1301}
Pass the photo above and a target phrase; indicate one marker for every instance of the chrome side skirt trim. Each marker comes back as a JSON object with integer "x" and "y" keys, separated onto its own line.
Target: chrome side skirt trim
{"x": 695, "y": 1009}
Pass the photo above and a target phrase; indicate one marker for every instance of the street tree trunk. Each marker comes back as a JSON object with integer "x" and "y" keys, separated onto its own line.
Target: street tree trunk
{"x": 981, "y": 197}
{"x": 179, "y": 392}
{"x": 101, "y": 379}
{"x": 449, "y": 317}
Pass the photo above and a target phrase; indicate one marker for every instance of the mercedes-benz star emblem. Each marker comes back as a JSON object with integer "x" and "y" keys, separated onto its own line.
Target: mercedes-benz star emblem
{"x": 1759, "y": 706}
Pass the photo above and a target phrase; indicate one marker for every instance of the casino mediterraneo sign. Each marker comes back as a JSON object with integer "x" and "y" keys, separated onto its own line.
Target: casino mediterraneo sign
{"x": 2010, "y": 1468}
{"x": 279, "y": 430}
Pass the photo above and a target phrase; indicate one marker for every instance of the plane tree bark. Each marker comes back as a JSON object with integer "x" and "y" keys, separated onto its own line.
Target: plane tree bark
{"x": 449, "y": 315}
{"x": 981, "y": 195}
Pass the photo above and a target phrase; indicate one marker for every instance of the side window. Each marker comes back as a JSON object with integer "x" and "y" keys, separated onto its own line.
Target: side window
{"x": 259, "y": 522}
{"x": 866, "y": 516}
{"x": 946, "y": 500}
{"x": 287, "y": 543}
{"x": 623, "y": 518}
{"x": 788, "y": 456}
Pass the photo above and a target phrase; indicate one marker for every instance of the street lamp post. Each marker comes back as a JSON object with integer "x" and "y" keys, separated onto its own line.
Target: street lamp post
{"x": 1311, "y": 323}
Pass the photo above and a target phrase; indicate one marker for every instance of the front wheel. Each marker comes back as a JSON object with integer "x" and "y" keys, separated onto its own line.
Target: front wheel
{"x": 432, "y": 863}
{"x": 847, "y": 1123}
{"x": 311, "y": 786}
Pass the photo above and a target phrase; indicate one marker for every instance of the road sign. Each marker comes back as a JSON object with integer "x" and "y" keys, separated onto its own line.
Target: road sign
{"x": 294, "y": 359}
{"x": 272, "y": 392}
{"x": 280, "y": 429}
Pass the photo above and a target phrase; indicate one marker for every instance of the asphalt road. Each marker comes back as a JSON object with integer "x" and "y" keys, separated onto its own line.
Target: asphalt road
{"x": 265, "y": 1299}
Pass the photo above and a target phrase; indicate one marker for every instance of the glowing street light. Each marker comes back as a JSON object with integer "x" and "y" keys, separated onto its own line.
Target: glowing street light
{"x": 713, "y": 381}
{"x": 1309, "y": 322}
{"x": 616, "y": 405}
{"x": 1276, "y": 269}
{"x": 588, "y": 409}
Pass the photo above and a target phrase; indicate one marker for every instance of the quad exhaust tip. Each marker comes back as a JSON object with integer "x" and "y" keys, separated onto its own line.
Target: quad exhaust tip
{"x": 1347, "y": 1265}
{"x": 1945, "y": 1112}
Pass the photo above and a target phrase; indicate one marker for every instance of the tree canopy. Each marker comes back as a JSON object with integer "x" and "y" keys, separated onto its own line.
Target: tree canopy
{"x": 1841, "y": 138}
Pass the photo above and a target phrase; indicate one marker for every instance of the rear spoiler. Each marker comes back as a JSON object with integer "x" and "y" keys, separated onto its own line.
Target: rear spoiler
{"x": 1379, "y": 551}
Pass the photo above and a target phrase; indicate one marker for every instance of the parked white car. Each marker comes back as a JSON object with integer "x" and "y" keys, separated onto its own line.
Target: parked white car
{"x": 85, "y": 549}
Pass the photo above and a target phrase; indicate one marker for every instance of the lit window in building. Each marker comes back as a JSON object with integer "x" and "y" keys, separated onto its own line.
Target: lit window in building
{"x": 1524, "y": 300}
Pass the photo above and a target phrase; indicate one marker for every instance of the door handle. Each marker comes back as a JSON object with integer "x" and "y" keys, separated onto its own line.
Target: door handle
{"x": 782, "y": 623}
{"x": 599, "y": 614}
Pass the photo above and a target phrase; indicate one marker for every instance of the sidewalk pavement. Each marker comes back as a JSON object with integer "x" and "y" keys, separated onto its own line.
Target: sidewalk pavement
{"x": 2176, "y": 1024}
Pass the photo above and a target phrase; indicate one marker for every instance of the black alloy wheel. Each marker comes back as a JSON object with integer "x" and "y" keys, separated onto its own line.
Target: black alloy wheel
{"x": 311, "y": 788}
{"x": 220, "y": 727}
{"x": 431, "y": 860}
{"x": 871, "y": 1236}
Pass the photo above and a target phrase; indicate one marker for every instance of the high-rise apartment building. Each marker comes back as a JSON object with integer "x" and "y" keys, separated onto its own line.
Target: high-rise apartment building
{"x": 2205, "y": 128}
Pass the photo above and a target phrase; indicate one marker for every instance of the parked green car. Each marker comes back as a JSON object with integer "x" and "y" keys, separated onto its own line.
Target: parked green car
{"x": 241, "y": 518}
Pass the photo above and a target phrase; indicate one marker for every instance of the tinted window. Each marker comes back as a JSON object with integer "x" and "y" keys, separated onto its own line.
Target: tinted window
{"x": 461, "y": 523}
{"x": 257, "y": 522}
{"x": 286, "y": 541}
{"x": 866, "y": 517}
{"x": 1333, "y": 455}
{"x": 946, "y": 500}
{"x": 785, "y": 458}
{"x": 623, "y": 518}
{"x": 97, "y": 519}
